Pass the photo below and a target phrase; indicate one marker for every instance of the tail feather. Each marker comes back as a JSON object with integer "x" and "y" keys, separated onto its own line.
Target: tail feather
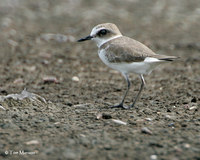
{"x": 166, "y": 58}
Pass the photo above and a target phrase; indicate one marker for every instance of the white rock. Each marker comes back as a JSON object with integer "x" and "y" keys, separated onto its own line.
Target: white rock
{"x": 32, "y": 142}
{"x": 153, "y": 157}
{"x": 2, "y": 107}
{"x": 194, "y": 107}
{"x": 119, "y": 121}
{"x": 75, "y": 78}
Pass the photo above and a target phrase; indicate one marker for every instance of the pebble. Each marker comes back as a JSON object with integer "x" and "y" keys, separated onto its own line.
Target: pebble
{"x": 148, "y": 119}
{"x": 75, "y": 78}
{"x": 2, "y": 107}
{"x": 32, "y": 142}
{"x": 171, "y": 125}
{"x": 45, "y": 62}
{"x": 168, "y": 116}
{"x": 60, "y": 61}
{"x": 119, "y": 121}
{"x": 82, "y": 135}
{"x": 18, "y": 81}
{"x": 153, "y": 157}
{"x": 186, "y": 145}
{"x": 82, "y": 105}
{"x": 194, "y": 107}
{"x": 49, "y": 79}
{"x": 146, "y": 130}
{"x": 99, "y": 116}
{"x": 45, "y": 55}
{"x": 30, "y": 68}
{"x": 56, "y": 123}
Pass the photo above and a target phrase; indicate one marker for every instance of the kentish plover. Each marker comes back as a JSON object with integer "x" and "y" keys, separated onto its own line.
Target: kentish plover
{"x": 125, "y": 55}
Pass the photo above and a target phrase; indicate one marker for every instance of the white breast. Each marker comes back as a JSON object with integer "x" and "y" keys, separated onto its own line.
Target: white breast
{"x": 101, "y": 53}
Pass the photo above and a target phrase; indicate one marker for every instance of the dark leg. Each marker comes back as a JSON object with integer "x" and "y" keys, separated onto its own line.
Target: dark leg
{"x": 120, "y": 105}
{"x": 142, "y": 86}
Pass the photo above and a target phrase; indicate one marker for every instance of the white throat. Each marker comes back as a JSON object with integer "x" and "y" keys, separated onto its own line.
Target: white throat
{"x": 100, "y": 42}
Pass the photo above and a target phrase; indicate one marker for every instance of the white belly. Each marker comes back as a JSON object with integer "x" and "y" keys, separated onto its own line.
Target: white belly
{"x": 144, "y": 67}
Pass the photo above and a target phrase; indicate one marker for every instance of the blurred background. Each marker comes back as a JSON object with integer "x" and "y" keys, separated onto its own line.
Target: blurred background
{"x": 158, "y": 20}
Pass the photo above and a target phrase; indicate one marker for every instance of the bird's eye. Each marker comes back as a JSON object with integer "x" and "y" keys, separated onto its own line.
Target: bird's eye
{"x": 102, "y": 32}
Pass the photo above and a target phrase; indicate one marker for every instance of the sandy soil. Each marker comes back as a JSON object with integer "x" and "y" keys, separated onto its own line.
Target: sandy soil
{"x": 39, "y": 52}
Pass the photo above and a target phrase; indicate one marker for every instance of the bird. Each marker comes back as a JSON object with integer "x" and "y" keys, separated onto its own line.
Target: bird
{"x": 125, "y": 55}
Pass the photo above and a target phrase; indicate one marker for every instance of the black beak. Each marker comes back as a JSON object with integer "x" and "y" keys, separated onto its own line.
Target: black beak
{"x": 85, "y": 39}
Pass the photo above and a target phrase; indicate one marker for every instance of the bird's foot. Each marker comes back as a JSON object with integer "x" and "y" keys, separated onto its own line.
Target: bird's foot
{"x": 120, "y": 106}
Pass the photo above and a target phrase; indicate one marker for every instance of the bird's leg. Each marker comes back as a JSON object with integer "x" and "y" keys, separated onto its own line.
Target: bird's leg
{"x": 141, "y": 87}
{"x": 121, "y": 104}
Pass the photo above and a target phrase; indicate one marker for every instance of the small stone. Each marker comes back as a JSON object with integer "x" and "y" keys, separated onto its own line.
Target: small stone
{"x": 186, "y": 145}
{"x": 99, "y": 116}
{"x": 82, "y": 105}
{"x": 45, "y": 55}
{"x": 32, "y": 142}
{"x": 148, "y": 119}
{"x": 146, "y": 130}
{"x": 45, "y": 62}
{"x": 50, "y": 79}
{"x": 57, "y": 123}
{"x": 75, "y": 78}
{"x": 82, "y": 135}
{"x": 193, "y": 107}
{"x": 2, "y": 107}
{"x": 171, "y": 125}
{"x": 18, "y": 81}
{"x": 60, "y": 61}
{"x": 30, "y": 68}
{"x": 119, "y": 121}
{"x": 153, "y": 157}
{"x": 107, "y": 147}
{"x": 168, "y": 116}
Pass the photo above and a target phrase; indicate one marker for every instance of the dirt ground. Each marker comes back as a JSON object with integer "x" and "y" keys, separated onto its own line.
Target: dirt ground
{"x": 39, "y": 52}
